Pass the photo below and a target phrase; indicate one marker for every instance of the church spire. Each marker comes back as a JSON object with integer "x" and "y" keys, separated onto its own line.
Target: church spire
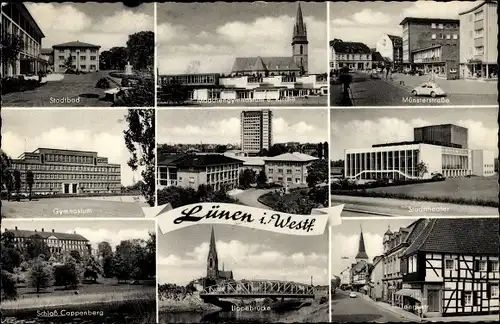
{"x": 299, "y": 30}
{"x": 361, "y": 248}
{"x": 212, "y": 260}
{"x": 213, "y": 247}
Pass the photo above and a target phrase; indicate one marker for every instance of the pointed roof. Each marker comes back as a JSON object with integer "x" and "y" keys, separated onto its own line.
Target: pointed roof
{"x": 361, "y": 249}
{"x": 388, "y": 231}
{"x": 213, "y": 248}
{"x": 299, "y": 22}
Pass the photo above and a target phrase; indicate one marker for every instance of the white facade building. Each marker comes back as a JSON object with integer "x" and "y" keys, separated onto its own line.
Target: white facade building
{"x": 288, "y": 168}
{"x": 256, "y": 130}
{"x": 483, "y": 163}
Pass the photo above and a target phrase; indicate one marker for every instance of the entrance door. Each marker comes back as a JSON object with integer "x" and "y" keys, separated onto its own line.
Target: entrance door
{"x": 66, "y": 188}
{"x": 75, "y": 188}
{"x": 433, "y": 300}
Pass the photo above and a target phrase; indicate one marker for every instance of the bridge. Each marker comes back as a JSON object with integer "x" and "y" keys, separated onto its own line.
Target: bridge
{"x": 257, "y": 289}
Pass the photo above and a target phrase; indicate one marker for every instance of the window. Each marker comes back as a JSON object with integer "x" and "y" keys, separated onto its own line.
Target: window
{"x": 448, "y": 36}
{"x": 494, "y": 266}
{"x": 433, "y": 25}
{"x": 83, "y": 58}
{"x": 479, "y": 15}
{"x": 482, "y": 265}
{"x": 441, "y": 26}
{"x": 433, "y": 36}
{"x": 441, "y": 36}
{"x": 93, "y": 58}
{"x": 83, "y": 67}
{"x": 455, "y": 36}
{"x": 478, "y": 33}
{"x": 449, "y": 264}
{"x": 289, "y": 179}
{"x": 468, "y": 298}
{"x": 61, "y": 57}
{"x": 494, "y": 291}
{"x": 280, "y": 170}
{"x": 479, "y": 50}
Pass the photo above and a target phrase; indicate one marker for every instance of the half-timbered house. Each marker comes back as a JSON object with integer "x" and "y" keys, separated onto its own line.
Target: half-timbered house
{"x": 451, "y": 268}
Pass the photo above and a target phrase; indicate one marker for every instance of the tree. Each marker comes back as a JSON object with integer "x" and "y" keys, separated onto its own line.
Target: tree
{"x": 92, "y": 269}
{"x": 337, "y": 163}
{"x": 277, "y": 149}
{"x": 11, "y": 46}
{"x": 326, "y": 152}
{"x": 105, "y": 60}
{"x": 106, "y": 253}
{"x": 174, "y": 92}
{"x": 123, "y": 265}
{"x": 262, "y": 178}
{"x": 8, "y": 288}
{"x": 141, "y": 94}
{"x": 220, "y": 148}
{"x": 151, "y": 255}
{"x": 76, "y": 255}
{"x": 36, "y": 247}
{"x": 68, "y": 63}
{"x": 320, "y": 150}
{"x": 140, "y": 142}
{"x": 247, "y": 177}
{"x": 119, "y": 57}
{"x": 317, "y": 173}
{"x": 68, "y": 274}
{"x": 421, "y": 169}
{"x": 178, "y": 196}
{"x": 40, "y": 275}
{"x": 140, "y": 47}
{"x": 10, "y": 254}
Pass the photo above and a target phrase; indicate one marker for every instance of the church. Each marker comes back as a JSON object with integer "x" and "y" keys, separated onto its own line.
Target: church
{"x": 213, "y": 272}
{"x": 297, "y": 64}
{"x": 361, "y": 268}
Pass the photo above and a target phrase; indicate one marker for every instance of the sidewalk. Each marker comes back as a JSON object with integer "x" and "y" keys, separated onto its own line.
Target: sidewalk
{"x": 396, "y": 310}
{"x": 478, "y": 318}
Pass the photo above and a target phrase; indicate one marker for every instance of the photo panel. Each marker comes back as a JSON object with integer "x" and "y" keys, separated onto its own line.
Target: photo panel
{"x": 210, "y": 54}
{"x": 77, "y": 55}
{"x": 414, "y": 270}
{"x": 77, "y": 163}
{"x": 400, "y": 162}
{"x": 78, "y": 271}
{"x": 261, "y": 158}
{"x": 225, "y": 273}
{"x": 398, "y": 53}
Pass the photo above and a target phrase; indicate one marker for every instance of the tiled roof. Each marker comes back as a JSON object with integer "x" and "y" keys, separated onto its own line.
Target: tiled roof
{"x": 292, "y": 157}
{"x": 251, "y": 160}
{"x": 270, "y": 64}
{"x": 43, "y": 234}
{"x": 458, "y": 235}
{"x": 349, "y": 47}
{"x": 75, "y": 44}
{"x": 200, "y": 160}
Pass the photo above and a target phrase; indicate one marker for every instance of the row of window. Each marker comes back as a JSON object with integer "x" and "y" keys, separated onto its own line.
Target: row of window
{"x": 288, "y": 171}
{"x": 82, "y": 58}
{"x": 90, "y": 185}
{"x": 74, "y": 50}
{"x": 222, "y": 168}
{"x": 353, "y": 57}
{"x": 443, "y": 36}
{"x": 62, "y": 167}
{"x": 65, "y": 176}
{"x": 444, "y": 26}
{"x": 469, "y": 295}
{"x": 68, "y": 158}
{"x": 288, "y": 179}
{"x": 82, "y": 66}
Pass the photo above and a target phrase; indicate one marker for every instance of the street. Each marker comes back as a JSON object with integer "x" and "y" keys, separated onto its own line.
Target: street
{"x": 250, "y": 197}
{"x": 70, "y": 207}
{"x": 395, "y": 92}
{"x": 372, "y": 206}
{"x": 359, "y": 309}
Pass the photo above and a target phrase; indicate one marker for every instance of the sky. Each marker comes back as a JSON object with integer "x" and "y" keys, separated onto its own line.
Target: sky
{"x": 249, "y": 253}
{"x": 365, "y": 22}
{"x": 195, "y": 126}
{"x": 100, "y": 131}
{"x": 345, "y": 239}
{"x": 95, "y": 231}
{"x": 361, "y": 128}
{"x": 104, "y": 24}
{"x": 206, "y": 37}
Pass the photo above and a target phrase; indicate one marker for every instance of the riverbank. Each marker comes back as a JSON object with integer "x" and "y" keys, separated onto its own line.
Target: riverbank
{"x": 314, "y": 313}
{"x": 191, "y": 304}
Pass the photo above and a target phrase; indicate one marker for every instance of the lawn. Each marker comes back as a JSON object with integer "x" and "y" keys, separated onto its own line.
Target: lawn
{"x": 484, "y": 188}
{"x": 270, "y": 199}
{"x": 73, "y": 86}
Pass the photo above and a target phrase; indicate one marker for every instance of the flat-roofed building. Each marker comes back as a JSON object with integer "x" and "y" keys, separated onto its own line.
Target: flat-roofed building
{"x": 84, "y": 56}
{"x": 64, "y": 171}
{"x": 256, "y": 130}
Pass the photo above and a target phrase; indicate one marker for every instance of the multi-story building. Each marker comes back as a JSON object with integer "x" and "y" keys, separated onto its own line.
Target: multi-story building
{"x": 192, "y": 170}
{"x": 431, "y": 44}
{"x": 390, "y": 48}
{"x": 60, "y": 244}
{"x": 17, "y": 21}
{"x": 376, "y": 277}
{"x": 354, "y": 55}
{"x": 59, "y": 171}
{"x": 288, "y": 168}
{"x": 478, "y": 41}
{"x": 256, "y": 130}
{"x": 84, "y": 56}
{"x": 451, "y": 268}
{"x": 438, "y": 147}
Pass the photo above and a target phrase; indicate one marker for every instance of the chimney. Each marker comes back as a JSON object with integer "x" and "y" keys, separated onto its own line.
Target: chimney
{"x": 52, "y": 230}
{"x": 43, "y": 230}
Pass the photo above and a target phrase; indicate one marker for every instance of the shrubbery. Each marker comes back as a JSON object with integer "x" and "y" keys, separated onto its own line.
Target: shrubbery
{"x": 348, "y": 184}
{"x": 19, "y": 84}
{"x": 103, "y": 83}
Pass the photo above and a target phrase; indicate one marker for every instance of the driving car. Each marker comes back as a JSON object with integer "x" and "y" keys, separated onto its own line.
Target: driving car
{"x": 352, "y": 295}
{"x": 428, "y": 89}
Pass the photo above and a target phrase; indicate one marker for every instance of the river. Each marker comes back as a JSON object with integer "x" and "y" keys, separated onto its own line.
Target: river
{"x": 223, "y": 317}
{"x": 130, "y": 312}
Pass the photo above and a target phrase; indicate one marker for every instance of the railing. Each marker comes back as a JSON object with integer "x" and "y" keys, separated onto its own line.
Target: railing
{"x": 261, "y": 288}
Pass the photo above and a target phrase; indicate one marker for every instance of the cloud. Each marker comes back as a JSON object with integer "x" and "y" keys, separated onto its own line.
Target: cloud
{"x": 247, "y": 261}
{"x": 228, "y": 130}
{"x": 216, "y": 50}
{"x": 480, "y": 136}
{"x": 65, "y": 23}
{"x": 113, "y": 237}
{"x": 433, "y": 9}
{"x": 370, "y": 17}
{"x": 106, "y": 144}
{"x": 346, "y": 246}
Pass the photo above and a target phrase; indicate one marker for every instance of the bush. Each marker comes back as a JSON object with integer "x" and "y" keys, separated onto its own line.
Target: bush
{"x": 19, "y": 84}
{"x": 9, "y": 290}
{"x": 70, "y": 71}
{"x": 103, "y": 83}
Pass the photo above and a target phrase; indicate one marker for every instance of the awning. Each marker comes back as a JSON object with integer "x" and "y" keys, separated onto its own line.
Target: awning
{"x": 412, "y": 293}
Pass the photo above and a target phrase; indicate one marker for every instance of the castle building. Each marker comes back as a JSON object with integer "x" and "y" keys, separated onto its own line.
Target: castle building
{"x": 213, "y": 271}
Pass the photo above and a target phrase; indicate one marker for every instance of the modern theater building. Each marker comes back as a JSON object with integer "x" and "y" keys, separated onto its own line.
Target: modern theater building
{"x": 258, "y": 78}
{"x": 58, "y": 171}
{"x": 442, "y": 148}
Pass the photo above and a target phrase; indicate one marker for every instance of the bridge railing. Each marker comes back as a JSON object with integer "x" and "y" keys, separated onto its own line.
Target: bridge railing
{"x": 259, "y": 288}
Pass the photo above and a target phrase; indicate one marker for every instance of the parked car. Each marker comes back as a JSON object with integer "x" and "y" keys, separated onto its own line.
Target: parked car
{"x": 428, "y": 89}
{"x": 437, "y": 176}
{"x": 353, "y": 295}
{"x": 416, "y": 72}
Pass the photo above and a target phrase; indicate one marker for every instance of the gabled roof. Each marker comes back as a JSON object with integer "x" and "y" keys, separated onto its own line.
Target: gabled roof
{"x": 361, "y": 248}
{"x": 292, "y": 157}
{"x": 75, "y": 44}
{"x": 458, "y": 236}
{"x": 44, "y": 235}
{"x": 349, "y": 47}
{"x": 271, "y": 64}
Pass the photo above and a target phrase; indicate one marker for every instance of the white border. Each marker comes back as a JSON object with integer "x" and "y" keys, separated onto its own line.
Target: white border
{"x": 329, "y": 141}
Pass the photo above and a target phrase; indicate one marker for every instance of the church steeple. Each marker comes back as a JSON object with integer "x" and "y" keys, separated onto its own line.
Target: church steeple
{"x": 212, "y": 260}
{"x": 361, "y": 248}
{"x": 300, "y": 42}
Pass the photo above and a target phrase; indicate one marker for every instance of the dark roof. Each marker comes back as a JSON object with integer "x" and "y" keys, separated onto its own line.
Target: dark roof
{"x": 43, "y": 234}
{"x": 198, "y": 160}
{"x": 76, "y": 44}
{"x": 458, "y": 236}
{"x": 46, "y": 51}
{"x": 349, "y": 47}
{"x": 271, "y": 64}
{"x": 361, "y": 248}
{"x": 396, "y": 40}
{"x": 426, "y": 20}
{"x": 478, "y": 6}
{"x": 226, "y": 274}
{"x": 437, "y": 143}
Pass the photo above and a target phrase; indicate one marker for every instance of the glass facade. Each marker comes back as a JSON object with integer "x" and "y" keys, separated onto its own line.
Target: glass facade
{"x": 400, "y": 164}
